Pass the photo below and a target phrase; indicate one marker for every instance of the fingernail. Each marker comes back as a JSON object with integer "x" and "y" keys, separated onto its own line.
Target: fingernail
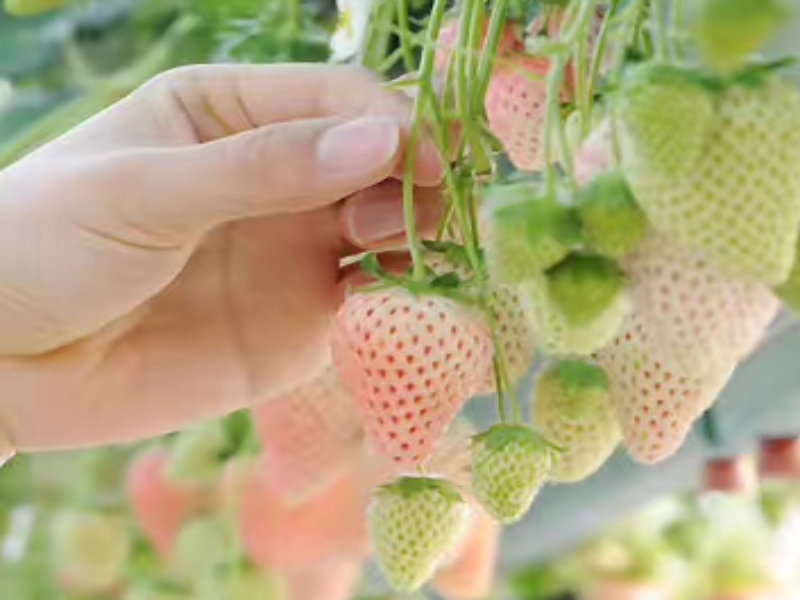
{"x": 375, "y": 219}
{"x": 362, "y": 145}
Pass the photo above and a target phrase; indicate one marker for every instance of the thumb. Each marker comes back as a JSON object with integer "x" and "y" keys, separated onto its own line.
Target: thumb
{"x": 287, "y": 167}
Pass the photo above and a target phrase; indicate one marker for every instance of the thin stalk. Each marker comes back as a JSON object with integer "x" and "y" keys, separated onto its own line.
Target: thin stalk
{"x": 501, "y": 404}
{"x": 600, "y": 46}
{"x": 678, "y": 22}
{"x": 405, "y": 41}
{"x": 425, "y": 74}
{"x": 296, "y": 16}
{"x": 659, "y": 22}
{"x": 497, "y": 23}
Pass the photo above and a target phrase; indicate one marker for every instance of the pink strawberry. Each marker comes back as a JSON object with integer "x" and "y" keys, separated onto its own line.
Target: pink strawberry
{"x": 278, "y": 536}
{"x": 780, "y": 459}
{"x": 736, "y": 475}
{"x": 510, "y": 41}
{"x": 471, "y": 576}
{"x": 161, "y": 506}
{"x": 332, "y": 580}
{"x": 701, "y": 320}
{"x": 309, "y": 436}
{"x": 655, "y": 402}
{"x": 516, "y": 105}
{"x": 410, "y": 363}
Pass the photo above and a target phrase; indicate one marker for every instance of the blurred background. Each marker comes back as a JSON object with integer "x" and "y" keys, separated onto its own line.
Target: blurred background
{"x": 720, "y": 521}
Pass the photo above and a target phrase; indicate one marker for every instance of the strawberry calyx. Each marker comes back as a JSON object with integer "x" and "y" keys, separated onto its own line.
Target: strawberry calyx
{"x": 497, "y": 437}
{"x": 409, "y": 487}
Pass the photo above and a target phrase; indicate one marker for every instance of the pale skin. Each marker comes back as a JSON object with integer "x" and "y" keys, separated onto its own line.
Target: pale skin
{"x": 177, "y": 257}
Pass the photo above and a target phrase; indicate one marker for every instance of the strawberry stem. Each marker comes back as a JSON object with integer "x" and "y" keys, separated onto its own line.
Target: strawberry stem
{"x": 497, "y": 23}
{"x": 660, "y": 34}
{"x": 406, "y": 48}
{"x": 425, "y": 74}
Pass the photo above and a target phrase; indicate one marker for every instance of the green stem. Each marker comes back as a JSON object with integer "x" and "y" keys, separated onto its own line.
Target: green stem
{"x": 296, "y": 16}
{"x": 678, "y": 22}
{"x": 658, "y": 20}
{"x": 405, "y": 42}
{"x": 383, "y": 14}
{"x": 600, "y": 46}
{"x": 425, "y": 74}
{"x": 497, "y": 23}
{"x": 500, "y": 397}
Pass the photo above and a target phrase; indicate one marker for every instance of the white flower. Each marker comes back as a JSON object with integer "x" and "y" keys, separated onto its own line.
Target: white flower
{"x": 350, "y": 37}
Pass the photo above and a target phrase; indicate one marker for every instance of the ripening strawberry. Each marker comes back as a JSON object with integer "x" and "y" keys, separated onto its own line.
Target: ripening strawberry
{"x": 410, "y": 364}
{"x": 716, "y": 172}
{"x": 510, "y": 464}
{"x": 279, "y": 536}
{"x": 572, "y": 409}
{"x": 90, "y": 550}
{"x": 309, "y": 436}
{"x": 160, "y": 505}
{"x": 554, "y": 331}
{"x": 516, "y": 106}
{"x": 701, "y": 320}
{"x": 414, "y": 523}
{"x": 655, "y": 403}
{"x": 728, "y": 32}
{"x": 472, "y": 574}
{"x": 510, "y": 41}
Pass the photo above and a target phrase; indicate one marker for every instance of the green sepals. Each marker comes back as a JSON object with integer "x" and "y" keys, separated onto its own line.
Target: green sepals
{"x": 529, "y": 232}
{"x": 728, "y": 32}
{"x": 408, "y": 487}
{"x": 584, "y": 286}
{"x": 612, "y": 222}
{"x": 579, "y": 376}
{"x": 496, "y": 438}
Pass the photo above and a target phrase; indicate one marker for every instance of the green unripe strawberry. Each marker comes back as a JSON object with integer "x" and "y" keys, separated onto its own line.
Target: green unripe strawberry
{"x": 204, "y": 544}
{"x": 90, "y": 550}
{"x": 572, "y": 409}
{"x": 197, "y": 456}
{"x": 612, "y": 223}
{"x": 728, "y": 32}
{"x": 665, "y": 115}
{"x": 556, "y": 334}
{"x": 510, "y": 464}
{"x": 415, "y": 522}
{"x": 527, "y": 232}
{"x": 584, "y": 286}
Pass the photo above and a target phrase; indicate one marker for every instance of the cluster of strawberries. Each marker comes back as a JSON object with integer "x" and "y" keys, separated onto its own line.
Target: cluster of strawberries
{"x": 646, "y": 267}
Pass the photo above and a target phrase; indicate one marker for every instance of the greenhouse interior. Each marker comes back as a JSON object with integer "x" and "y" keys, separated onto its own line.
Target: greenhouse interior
{"x": 399, "y": 299}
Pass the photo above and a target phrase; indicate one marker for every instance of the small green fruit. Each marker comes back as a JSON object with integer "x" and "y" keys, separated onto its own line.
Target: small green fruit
{"x": 728, "y": 32}
{"x": 584, "y": 286}
{"x": 613, "y": 223}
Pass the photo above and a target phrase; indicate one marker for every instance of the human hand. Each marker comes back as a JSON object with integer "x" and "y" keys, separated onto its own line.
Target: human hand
{"x": 178, "y": 256}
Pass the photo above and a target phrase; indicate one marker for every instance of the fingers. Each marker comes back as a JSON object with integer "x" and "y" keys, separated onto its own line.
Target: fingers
{"x": 285, "y": 168}
{"x": 374, "y": 218}
{"x": 223, "y": 100}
